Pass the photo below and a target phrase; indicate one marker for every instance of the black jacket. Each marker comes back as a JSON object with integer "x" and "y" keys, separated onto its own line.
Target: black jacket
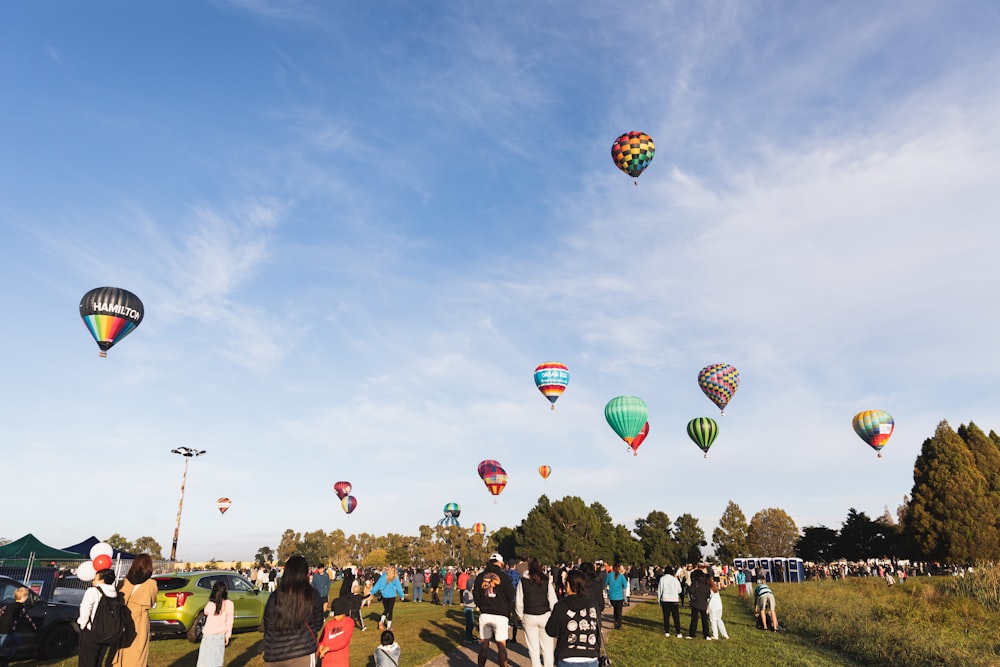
{"x": 574, "y": 623}
{"x": 502, "y": 603}
{"x": 298, "y": 642}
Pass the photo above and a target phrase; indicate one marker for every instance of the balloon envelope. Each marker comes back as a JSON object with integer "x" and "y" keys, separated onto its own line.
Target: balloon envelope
{"x": 632, "y": 152}
{"x": 874, "y": 427}
{"x": 552, "y": 378}
{"x": 343, "y": 489}
{"x": 626, "y": 415}
{"x": 223, "y": 504}
{"x": 85, "y": 571}
{"x": 719, "y": 382}
{"x": 545, "y": 471}
{"x": 449, "y": 521}
{"x": 102, "y": 562}
{"x": 110, "y": 313}
{"x": 493, "y": 476}
{"x": 479, "y": 528}
{"x": 452, "y": 509}
{"x": 638, "y": 439}
{"x": 703, "y": 431}
{"x": 349, "y": 503}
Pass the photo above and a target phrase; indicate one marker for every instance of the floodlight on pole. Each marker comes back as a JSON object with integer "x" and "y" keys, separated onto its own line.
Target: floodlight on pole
{"x": 187, "y": 453}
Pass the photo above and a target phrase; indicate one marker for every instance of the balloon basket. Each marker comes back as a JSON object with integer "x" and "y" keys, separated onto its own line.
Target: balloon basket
{"x": 706, "y": 455}
{"x": 103, "y": 354}
{"x": 553, "y": 406}
{"x": 880, "y": 454}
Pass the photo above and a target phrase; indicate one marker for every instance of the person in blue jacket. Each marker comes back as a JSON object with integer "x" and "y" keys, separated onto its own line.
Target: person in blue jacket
{"x": 616, "y": 582}
{"x": 390, "y": 588}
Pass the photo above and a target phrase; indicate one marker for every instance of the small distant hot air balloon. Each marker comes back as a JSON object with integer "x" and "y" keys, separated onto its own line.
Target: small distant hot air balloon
{"x": 552, "y": 378}
{"x": 342, "y": 489}
{"x": 349, "y": 503}
{"x": 632, "y": 153}
{"x": 639, "y": 439}
{"x": 626, "y": 416}
{"x": 874, "y": 427}
{"x": 703, "y": 431}
{"x": 111, "y": 313}
{"x": 223, "y": 504}
{"x": 719, "y": 382}
{"x": 479, "y": 528}
{"x": 493, "y": 475}
{"x": 452, "y": 509}
{"x": 545, "y": 471}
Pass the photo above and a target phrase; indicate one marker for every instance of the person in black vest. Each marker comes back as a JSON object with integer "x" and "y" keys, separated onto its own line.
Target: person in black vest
{"x": 535, "y": 598}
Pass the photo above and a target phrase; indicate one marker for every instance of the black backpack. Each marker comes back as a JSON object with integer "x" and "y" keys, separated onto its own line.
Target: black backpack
{"x": 112, "y": 622}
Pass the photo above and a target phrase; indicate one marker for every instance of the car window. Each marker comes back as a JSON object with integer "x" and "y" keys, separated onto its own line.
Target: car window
{"x": 209, "y": 581}
{"x": 170, "y": 583}
{"x": 7, "y": 591}
{"x": 240, "y": 585}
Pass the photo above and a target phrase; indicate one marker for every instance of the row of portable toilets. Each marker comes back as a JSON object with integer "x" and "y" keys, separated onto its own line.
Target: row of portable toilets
{"x": 791, "y": 570}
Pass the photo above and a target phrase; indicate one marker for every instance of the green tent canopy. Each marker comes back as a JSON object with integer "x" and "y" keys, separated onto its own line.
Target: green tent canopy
{"x": 29, "y": 544}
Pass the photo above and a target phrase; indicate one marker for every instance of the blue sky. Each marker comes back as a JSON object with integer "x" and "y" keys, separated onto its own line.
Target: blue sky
{"x": 358, "y": 227}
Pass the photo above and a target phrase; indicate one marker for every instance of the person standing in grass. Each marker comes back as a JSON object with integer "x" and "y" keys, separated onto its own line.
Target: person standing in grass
{"x": 764, "y": 603}
{"x": 534, "y": 599}
{"x": 334, "y": 646}
{"x": 494, "y": 594}
{"x": 616, "y": 583}
{"x": 321, "y": 582}
{"x": 668, "y": 591}
{"x": 715, "y": 611}
{"x": 390, "y": 588}
{"x": 575, "y": 624}
{"x": 698, "y": 594}
{"x": 218, "y": 628}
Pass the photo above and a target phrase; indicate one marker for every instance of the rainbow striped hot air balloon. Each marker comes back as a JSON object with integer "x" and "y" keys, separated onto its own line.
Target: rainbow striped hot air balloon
{"x": 545, "y": 471}
{"x": 874, "y": 427}
{"x": 626, "y": 416}
{"x": 552, "y": 378}
{"x": 719, "y": 382}
{"x": 703, "y": 431}
{"x": 110, "y": 313}
{"x": 479, "y": 528}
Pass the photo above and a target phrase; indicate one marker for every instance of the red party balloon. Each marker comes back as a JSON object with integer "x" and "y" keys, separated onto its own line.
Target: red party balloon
{"x": 102, "y": 562}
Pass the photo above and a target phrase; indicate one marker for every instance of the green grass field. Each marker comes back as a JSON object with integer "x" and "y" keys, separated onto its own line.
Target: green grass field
{"x": 858, "y": 622}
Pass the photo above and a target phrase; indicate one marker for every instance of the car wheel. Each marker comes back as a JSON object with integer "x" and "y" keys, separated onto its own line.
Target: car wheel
{"x": 58, "y": 642}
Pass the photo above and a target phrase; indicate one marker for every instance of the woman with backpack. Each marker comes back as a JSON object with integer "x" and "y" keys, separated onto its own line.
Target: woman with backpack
{"x": 93, "y": 646}
{"x": 218, "y": 627}
{"x": 139, "y": 590}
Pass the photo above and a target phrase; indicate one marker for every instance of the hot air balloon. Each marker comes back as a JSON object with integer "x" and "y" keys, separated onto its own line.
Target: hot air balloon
{"x": 545, "y": 471}
{"x": 638, "y": 440}
{"x": 702, "y": 431}
{"x": 552, "y": 378}
{"x": 349, "y": 503}
{"x": 719, "y": 382}
{"x": 874, "y": 427}
{"x": 493, "y": 475}
{"x": 632, "y": 153}
{"x": 223, "y": 504}
{"x": 111, "y": 313}
{"x": 342, "y": 489}
{"x": 452, "y": 509}
{"x": 626, "y": 415}
{"x": 479, "y": 528}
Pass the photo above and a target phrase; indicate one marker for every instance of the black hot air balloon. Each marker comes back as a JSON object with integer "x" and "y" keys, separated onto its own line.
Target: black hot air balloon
{"x": 111, "y": 313}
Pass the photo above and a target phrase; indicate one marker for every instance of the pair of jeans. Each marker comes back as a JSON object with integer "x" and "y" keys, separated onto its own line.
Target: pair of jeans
{"x": 449, "y": 592}
{"x": 617, "y": 606}
{"x": 418, "y": 593}
{"x": 589, "y": 663}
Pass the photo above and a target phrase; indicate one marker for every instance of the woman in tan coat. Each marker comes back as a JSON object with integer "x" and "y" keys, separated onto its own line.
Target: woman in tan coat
{"x": 139, "y": 590}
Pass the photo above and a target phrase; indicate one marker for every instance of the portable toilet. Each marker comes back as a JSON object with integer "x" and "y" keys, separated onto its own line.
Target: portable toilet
{"x": 796, "y": 571}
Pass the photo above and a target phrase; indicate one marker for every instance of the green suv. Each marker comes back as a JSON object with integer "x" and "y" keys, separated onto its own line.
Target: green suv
{"x": 181, "y": 596}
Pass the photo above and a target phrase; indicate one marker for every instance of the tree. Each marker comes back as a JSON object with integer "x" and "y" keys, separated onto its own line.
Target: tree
{"x": 375, "y": 558}
{"x": 265, "y": 555}
{"x": 289, "y": 544}
{"x": 147, "y": 545}
{"x": 656, "y": 537}
{"x": 120, "y": 543}
{"x": 690, "y": 538}
{"x": 627, "y": 548}
{"x": 949, "y": 517}
{"x": 730, "y": 537}
{"x": 818, "y": 544}
{"x": 536, "y": 536}
{"x": 772, "y": 533}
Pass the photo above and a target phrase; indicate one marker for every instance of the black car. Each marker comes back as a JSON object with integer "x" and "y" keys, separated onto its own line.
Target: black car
{"x": 56, "y": 623}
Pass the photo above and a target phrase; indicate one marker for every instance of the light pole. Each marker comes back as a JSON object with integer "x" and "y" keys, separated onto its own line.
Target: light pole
{"x": 187, "y": 453}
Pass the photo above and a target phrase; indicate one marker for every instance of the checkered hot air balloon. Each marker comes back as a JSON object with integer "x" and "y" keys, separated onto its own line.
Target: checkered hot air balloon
{"x": 719, "y": 382}
{"x": 632, "y": 153}
{"x": 875, "y": 427}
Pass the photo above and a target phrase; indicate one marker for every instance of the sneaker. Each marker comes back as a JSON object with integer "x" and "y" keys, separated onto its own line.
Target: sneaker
{"x": 667, "y": 635}
{"x": 679, "y": 635}
{"x": 689, "y": 638}
{"x": 708, "y": 639}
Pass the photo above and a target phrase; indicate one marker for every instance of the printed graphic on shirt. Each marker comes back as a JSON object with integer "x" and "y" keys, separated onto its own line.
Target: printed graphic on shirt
{"x": 581, "y": 629}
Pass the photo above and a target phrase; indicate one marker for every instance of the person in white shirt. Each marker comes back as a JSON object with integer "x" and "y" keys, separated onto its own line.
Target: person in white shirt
{"x": 90, "y": 653}
{"x": 668, "y": 591}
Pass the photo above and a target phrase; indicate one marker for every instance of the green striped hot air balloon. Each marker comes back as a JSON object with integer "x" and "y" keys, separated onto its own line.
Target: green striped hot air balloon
{"x": 626, "y": 415}
{"x": 702, "y": 431}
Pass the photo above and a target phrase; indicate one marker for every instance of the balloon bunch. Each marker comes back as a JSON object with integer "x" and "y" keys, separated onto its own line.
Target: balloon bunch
{"x": 100, "y": 559}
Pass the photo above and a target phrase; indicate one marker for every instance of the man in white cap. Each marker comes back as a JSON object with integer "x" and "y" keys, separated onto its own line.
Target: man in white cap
{"x": 495, "y": 596}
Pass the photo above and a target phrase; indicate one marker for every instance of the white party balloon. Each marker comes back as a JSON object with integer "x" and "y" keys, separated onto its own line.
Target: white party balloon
{"x": 101, "y": 548}
{"x": 85, "y": 571}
